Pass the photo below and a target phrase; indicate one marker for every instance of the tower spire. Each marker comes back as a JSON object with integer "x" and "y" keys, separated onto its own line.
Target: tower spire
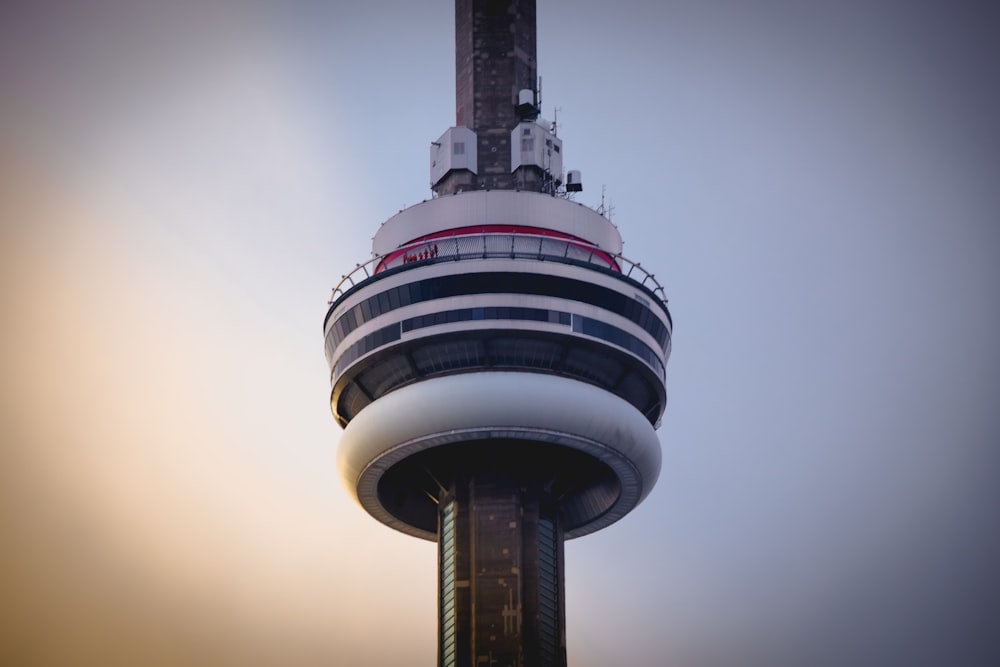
{"x": 496, "y": 104}
{"x": 495, "y": 59}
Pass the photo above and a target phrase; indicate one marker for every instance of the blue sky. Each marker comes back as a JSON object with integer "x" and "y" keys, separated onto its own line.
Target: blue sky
{"x": 816, "y": 185}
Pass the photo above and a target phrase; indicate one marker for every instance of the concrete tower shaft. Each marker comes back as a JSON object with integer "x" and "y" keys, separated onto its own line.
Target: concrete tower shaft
{"x": 496, "y": 80}
{"x": 495, "y": 58}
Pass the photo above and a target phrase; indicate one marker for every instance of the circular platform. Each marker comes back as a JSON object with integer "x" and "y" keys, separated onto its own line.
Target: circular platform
{"x": 596, "y": 447}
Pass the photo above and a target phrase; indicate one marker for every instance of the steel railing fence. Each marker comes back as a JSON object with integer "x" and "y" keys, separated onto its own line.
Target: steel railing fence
{"x": 499, "y": 245}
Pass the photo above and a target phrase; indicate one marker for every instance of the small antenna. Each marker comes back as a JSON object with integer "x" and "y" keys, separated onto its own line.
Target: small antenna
{"x": 605, "y": 210}
{"x": 555, "y": 121}
{"x": 538, "y": 102}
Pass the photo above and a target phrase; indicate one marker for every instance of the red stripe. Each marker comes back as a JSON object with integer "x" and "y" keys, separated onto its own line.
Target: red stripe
{"x": 497, "y": 229}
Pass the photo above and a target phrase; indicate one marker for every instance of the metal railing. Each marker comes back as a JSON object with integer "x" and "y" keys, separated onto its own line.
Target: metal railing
{"x": 493, "y": 245}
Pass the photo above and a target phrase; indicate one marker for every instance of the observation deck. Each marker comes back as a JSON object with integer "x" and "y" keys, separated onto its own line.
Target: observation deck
{"x": 503, "y": 317}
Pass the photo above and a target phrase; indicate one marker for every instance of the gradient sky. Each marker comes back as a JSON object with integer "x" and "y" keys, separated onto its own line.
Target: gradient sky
{"x": 817, "y": 184}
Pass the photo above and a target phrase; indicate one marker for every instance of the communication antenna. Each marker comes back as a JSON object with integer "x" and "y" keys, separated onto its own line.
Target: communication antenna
{"x": 605, "y": 209}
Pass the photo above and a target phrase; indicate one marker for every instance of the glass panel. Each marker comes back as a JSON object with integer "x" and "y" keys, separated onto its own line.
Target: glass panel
{"x": 548, "y": 592}
{"x": 447, "y": 559}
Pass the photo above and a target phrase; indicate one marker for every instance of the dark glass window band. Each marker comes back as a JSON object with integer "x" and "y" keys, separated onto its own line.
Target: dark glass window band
{"x": 619, "y": 337}
{"x": 585, "y": 325}
{"x": 498, "y": 283}
{"x": 372, "y": 341}
{"x": 488, "y": 313}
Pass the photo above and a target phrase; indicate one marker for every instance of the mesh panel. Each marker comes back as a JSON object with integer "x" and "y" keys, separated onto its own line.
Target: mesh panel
{"x": 447, "y": 356}
{"x": 497, "y": 244}
{"x": 599, "y": 368}
{"x": 636, "y": 391}
{"x": 469, "y": 245}
{"x": 525, "y": 353}
{"x": 388, "y": 374}
{"x": 351, "y": 401}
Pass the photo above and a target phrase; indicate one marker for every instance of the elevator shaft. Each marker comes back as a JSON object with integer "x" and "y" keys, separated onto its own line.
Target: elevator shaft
{"x": 501, "y": 574}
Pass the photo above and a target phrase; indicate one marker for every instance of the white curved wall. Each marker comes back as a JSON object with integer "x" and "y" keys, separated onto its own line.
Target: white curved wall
{"x": 471, "y": 407}
{"x": 497, "y": 207}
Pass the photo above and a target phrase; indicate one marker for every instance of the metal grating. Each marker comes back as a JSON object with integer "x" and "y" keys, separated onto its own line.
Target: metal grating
{"x": 447, "y": 356}
{"x": 387, "y": 374}
{"x": 599, "y": 368}
{"x": 524, "y": 353}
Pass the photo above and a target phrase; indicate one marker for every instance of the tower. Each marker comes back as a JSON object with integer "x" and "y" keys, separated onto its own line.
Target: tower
{"x": 498, "y": 366}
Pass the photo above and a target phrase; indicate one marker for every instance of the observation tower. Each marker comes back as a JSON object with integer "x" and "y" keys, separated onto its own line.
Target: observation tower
{"x": 498, "y": 367}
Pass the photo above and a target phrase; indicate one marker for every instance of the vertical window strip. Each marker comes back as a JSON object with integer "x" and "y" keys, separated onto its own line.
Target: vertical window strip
{"x": 548, "y": 592}
{"x": 447, "y": 546}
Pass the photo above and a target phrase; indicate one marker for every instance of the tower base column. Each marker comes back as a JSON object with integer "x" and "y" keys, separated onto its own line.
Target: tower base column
{"x": 501, "y": 575}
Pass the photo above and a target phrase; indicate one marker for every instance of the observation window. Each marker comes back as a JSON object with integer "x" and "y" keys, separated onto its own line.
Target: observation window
{"x": 501, "y": 283}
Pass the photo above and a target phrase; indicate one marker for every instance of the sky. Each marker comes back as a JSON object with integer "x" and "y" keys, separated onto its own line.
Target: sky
{"x": 817, "y": 186}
